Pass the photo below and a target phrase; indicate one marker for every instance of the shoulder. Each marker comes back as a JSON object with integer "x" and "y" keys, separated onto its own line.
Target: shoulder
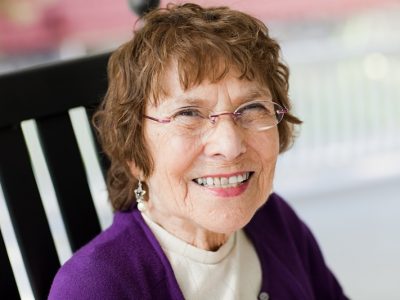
{"x": 280, "y": 223}
{"x": 277, "y": 227}
{"x": 83, "y": 277}
{"x": 278, "y": 213}
{"x": 281, "y": 228}
{"x": 111, "y": 266}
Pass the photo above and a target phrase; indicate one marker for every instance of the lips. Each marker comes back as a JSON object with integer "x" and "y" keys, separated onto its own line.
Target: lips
{"x": 223, "y": 181}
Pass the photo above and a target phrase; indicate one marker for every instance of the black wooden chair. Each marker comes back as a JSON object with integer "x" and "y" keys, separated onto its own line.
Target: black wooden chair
{"x": 46, "y": 94}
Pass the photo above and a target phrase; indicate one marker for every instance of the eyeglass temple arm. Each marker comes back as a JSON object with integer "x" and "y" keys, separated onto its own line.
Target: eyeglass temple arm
{"x": 282, "y": 111}
{"x": 158, "y": 120}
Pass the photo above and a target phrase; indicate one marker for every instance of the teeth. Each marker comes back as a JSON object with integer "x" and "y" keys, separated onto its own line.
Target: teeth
{"x": 233, "y": 179}
{"x": 223, "y": 181}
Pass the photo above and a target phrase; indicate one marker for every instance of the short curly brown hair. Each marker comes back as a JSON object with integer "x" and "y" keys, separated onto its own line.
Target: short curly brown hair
{"x": 206, "y": 43}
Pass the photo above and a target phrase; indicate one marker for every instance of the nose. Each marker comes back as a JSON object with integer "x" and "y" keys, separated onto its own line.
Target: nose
{"x": 225, "y": 140}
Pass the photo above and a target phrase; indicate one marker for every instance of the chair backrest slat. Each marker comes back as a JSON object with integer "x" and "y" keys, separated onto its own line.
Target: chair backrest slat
{"x": 103, "y": 159}
{"x": 69, "y": 179}
{"x": 45, "y": 94}
{"x": 26, "y": 211}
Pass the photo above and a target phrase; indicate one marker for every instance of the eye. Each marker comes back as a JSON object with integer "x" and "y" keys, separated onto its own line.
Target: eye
{"x": 254, "y": 107}
{"x": 188, "y": 112}
{"x": 189, "y": 118}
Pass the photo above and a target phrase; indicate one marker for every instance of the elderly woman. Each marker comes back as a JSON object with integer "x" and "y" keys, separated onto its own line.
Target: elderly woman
{"x": 195, "y": 116}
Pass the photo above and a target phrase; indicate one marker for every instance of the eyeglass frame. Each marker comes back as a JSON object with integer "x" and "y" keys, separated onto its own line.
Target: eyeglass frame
{"x": 213, "y": 117}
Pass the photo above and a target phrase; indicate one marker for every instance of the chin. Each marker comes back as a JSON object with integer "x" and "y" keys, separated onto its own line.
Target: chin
{"x": 228, "y": 223}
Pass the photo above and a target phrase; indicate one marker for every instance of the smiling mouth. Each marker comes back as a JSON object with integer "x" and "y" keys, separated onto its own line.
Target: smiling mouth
{"x": 223, "y": 182}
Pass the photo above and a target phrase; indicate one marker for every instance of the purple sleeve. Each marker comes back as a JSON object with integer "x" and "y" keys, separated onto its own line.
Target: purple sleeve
{"x": 75, "y": 280}
{"x": 324, "y": 284}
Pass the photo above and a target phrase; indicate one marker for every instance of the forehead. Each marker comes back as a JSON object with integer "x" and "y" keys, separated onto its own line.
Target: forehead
{"x": 231, "y": 86}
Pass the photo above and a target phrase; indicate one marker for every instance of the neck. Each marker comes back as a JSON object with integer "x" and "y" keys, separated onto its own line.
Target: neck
{"x": 189, "y": 232}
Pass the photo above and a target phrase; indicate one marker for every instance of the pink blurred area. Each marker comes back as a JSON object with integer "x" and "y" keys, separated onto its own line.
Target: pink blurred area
{"x": 294, "y": 10}
{"x": 88, "y": 21}
{"x": 41, "y": 25}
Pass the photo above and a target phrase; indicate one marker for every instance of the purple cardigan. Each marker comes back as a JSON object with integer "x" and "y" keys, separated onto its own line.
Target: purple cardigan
{"x": 126, "y": 261}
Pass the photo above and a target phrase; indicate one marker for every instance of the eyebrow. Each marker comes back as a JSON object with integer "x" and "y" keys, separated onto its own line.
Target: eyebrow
{"x": 251, "y": 94}
{"x": 190, "y": 100}
{"x": 254, "y": 94}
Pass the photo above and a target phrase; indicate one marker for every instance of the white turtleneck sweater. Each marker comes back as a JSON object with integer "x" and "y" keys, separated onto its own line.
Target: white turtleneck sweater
{"x": 231, "y": 272}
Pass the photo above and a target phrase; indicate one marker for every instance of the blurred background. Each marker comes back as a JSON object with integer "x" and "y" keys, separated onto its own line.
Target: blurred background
{"x": 343, "y": 173}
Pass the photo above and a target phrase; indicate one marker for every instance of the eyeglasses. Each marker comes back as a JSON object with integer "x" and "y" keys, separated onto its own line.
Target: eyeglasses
{"x": 257, "y": 115}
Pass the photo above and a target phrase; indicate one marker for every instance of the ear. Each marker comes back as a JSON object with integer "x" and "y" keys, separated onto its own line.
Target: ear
{"x": 135, "y": 171}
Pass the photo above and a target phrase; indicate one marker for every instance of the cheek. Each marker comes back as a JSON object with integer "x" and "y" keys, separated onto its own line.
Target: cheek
{"x": 266, "y": 147}
{"x": 163, "y": 146}
{"x": 173, "y": 156}
{"x": 175, "y": 153}
{"x": 267, "y": 151}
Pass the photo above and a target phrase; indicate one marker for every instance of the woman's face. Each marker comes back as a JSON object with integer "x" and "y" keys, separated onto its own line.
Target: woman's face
{"x": 225, "y": 154}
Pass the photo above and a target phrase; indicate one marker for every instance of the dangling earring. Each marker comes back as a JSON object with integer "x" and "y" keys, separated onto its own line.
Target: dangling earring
{"x": 139, "y": 194}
